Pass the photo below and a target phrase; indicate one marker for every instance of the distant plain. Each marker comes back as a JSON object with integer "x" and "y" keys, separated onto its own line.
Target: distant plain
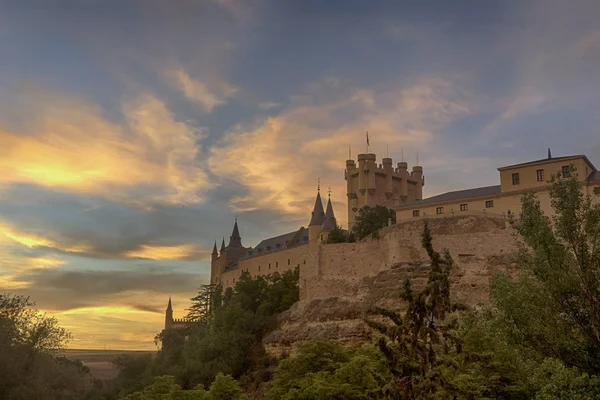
{"x": 100, "y": 361}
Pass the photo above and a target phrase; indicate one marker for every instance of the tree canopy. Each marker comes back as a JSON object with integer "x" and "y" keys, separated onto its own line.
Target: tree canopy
{"x": 370, "y": 219}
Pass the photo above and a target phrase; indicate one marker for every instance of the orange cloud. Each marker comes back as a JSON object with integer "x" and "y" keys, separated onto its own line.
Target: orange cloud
{"x": 71, "y": 146}
{"x": 279, "y": 159}
{"x": 32, "y": 240}
{"x": 178, "y": 252}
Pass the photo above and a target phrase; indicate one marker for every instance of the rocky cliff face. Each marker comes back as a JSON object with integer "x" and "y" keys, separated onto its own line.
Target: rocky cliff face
{"x": 349, "y": 279}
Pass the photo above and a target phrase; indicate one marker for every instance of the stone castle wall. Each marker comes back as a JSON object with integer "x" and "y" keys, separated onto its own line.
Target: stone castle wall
{"x": 337, "y": 269}
{"x": 342, "y": 282}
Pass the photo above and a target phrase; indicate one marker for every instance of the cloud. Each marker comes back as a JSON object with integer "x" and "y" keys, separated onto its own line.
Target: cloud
{"x": 208, "y": 95}
{"x": 67, "y": 288}
{"x": 280, "y": 158}
{"x": 68, "y": 144}
{"x": 267, "y": 105}
{"x": 33, "y": 240}
{"x": 176, "y": 252}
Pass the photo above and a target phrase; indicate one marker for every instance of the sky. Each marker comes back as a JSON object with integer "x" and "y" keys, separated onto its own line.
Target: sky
{"x": 133, "y": 132}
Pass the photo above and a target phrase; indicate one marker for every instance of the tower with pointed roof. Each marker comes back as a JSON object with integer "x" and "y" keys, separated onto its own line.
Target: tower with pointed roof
{"x": 329, "y": 221}
{"x": 169, "y": 315}
{"x": 317, "y": 218}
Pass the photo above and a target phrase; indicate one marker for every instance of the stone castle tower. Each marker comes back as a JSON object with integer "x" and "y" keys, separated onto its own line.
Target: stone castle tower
{"x": 370, "y": 185}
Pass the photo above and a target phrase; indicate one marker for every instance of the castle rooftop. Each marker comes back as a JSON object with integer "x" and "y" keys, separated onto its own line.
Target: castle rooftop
{"x": 458, "y": 195}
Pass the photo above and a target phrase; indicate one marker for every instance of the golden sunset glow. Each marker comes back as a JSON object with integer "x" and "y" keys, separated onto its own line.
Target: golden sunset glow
{"x": 163, "y": 252}
{"x": 153, "y": 149}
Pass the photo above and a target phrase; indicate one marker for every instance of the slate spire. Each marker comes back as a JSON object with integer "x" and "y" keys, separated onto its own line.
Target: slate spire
{"x": 329, "y": 220}
{"x": 214, "y": 252}
{"x": 223, "y": 245}
{"x": 318, "y": 215}
{"x": 169, "y": 306}
{"x": 235, "y": 240}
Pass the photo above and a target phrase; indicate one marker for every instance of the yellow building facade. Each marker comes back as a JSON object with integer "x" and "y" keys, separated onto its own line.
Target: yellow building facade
{"x": 505, "y": 198}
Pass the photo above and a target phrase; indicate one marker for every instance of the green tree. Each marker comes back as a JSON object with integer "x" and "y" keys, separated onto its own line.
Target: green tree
{"x": 553, "y": 306}
{"x": 338, "y": 235}
{"x": 421, "y": 347}
{"x": 324, "y": 370}
{"x": 371, "y": 219}
{"x": 224, "y": 387}
{"x": 201, "y": 304}
{"x": 165, "y": 388}
{"x": 29, "y": 344}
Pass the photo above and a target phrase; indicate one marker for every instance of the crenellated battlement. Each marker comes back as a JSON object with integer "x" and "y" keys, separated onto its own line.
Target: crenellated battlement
{"x": 372, "y": 184}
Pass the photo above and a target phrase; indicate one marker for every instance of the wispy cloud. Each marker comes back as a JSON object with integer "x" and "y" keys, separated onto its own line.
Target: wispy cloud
{"x": 208, "y": 95}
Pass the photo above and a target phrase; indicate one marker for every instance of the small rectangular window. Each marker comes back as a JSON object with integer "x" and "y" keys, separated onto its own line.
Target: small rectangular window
{"x": 566, "y": 171}
{"x": 269, "y": 265}
{"x": 540, "y": 175}
{"x": 276, "y": 264}
{"x": 516, "y": 179}
{"x": 289, "y": 261}
{"x": 416, "y": 213}
{"x": 489, "y": 204}
{"x": 233, "y": 280}
{"x": 464, "y": 207}
{"x": 259, "y": 268}
{"x": 439, "y": 210}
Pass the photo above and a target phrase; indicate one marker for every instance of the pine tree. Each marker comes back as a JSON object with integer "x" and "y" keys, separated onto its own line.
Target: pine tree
{"x": 201, "y": 304}
{"x": 420, "y": 346}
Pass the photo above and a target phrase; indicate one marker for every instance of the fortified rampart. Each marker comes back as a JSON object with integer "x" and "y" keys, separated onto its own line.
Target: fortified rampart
{"x": 341, "y": 282}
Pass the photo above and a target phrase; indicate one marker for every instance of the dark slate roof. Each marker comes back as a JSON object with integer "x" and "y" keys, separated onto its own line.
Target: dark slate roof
{"x": 546, "y": 160}
{"x": 318, "y": 214}
{"x": 280, "y": 242}
{"x": 329, "y": 222}
{"x": 458, "y": 195}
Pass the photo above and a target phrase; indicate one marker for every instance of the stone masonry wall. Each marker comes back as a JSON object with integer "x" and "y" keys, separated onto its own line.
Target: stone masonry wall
{"x": 342, "y": 282}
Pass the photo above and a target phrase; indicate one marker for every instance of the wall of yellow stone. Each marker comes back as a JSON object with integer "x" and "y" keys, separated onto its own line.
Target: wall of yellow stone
{"x": 278, "y": 261}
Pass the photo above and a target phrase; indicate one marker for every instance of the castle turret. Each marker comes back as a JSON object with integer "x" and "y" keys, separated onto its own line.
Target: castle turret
{"x": 235, "y": 240}
{"x": 317, "y": 218}
{"x": 372, "y": 185}
{"x": 329, "y": 222}
{"x": 222, "y": 247}
{"x": 215, "y": 253}
{"x": 417, "y": 174}
{"x": 403, "y": 173}
{"x": 388, "y": 168}
{"x": 169, "y": 315}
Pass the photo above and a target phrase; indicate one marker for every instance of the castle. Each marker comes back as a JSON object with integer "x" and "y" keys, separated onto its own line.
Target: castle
{"x": 369, "y": 184}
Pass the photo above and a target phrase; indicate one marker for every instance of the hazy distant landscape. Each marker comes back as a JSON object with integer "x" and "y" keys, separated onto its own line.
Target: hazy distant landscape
{"x": 100, "y": 361}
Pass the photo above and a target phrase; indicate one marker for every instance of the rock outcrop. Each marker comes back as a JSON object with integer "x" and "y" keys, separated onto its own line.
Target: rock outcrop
{"x": 344, "y": 281}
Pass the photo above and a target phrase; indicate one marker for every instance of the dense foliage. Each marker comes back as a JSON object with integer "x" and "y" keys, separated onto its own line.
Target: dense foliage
{"x": 165, "y": 388}
{"x": 371, "y": 219}
{"x": 324, "y": 370}
{"x": 338, "y": 235}
{"x": 30, "y": 367}
{"x": 226, "y": 341}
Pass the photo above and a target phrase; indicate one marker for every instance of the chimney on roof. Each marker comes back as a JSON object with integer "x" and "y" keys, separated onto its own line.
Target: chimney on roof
{"x": 549, "y": 153}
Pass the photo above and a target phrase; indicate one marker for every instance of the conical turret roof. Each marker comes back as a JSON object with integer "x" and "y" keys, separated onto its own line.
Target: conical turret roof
{"x": 235, "y": 240}
{"x": 329, "y": 222}
{"x": 318, "y": 215}
{"x": 223, "y": 245}
{"x": 214, "y": 252}
{"x": 169, "y": 306}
